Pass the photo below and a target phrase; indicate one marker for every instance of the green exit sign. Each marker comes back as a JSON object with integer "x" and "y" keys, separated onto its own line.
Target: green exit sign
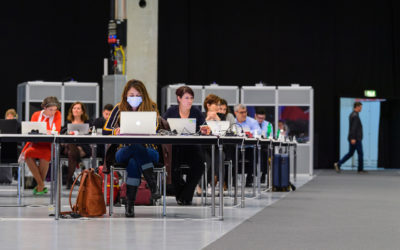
{"x": 370, "y": 93}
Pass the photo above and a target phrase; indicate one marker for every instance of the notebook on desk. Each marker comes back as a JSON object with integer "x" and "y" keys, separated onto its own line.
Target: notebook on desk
{"x": 182, "y": 125}
{"x": 83, "y": 129}
{"x": 138, "y": 123}
{"x": 34, "y": 127}
{"x": 218, "y": 127}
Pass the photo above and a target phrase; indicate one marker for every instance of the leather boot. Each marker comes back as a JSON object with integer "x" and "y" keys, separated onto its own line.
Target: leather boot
{"x": 130, "y": 200}
{"x": 149, "y": 176}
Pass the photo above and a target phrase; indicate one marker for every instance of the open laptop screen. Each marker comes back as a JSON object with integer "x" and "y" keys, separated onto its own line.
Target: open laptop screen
{"x": 144, "y": 123}
{"x": 182, "y": 125}
{"x": 36, "y": 127}
{"x": 83, "y": 129}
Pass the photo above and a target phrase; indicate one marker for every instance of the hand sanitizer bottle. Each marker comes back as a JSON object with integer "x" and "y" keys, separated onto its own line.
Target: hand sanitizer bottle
{"x": 53, "y": 130}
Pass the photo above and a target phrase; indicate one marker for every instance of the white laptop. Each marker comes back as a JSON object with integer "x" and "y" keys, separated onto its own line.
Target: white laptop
{"x": 182, "y": 125}
{"x": 143, "y": 123}
{"x": 218, "y": 127}
{"x": 83, "y": 129}
{"x": 34, "y": 127}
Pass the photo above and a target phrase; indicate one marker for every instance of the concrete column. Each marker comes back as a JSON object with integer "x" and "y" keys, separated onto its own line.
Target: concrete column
{"x": 141, "y": 51}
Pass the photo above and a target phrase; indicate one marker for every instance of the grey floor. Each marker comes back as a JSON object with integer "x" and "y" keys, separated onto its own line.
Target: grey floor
{"x": 332, "y": 211}
{"x": 30, "y": 227}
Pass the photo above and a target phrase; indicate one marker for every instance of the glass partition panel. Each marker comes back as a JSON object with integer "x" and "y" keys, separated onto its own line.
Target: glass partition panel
{"x": 294, "y": 121}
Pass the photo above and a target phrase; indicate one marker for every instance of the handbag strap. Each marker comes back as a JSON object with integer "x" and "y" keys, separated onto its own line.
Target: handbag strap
{"x": 83, "y": 177}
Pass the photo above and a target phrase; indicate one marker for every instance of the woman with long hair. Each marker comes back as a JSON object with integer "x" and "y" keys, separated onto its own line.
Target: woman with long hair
{"x": 75, "y": 152}
{"x": 138, "y": 157}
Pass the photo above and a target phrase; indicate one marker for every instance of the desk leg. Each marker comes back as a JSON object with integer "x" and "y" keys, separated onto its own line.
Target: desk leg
{"x": 259, "y": 171}
{"x": 205, "y": 184}
{"x": 105, "y": 189}
{"x": 52, "y": 176}
{"x": 242, "y": 177}
{"x": 221, "y": 184}
{"x": 294, "y": 161}
{"x": 254, "y": 170}
{"x": 111, "y": 206}
{"x": 236, "y": 175}
{"x": 19, "y": 185}
{"x": 268, "y": 167}
{"x": 57, "y": 180}
{"x": 212, "y": 180}
{"x": 165, "y": 192}
{"x": 270, "y": 174}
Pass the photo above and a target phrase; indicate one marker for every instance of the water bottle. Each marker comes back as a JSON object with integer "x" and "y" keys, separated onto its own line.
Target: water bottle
{"x": 94, "y": 132}
{"x": 281, "y": 136}
{"x": 53, "y": 130}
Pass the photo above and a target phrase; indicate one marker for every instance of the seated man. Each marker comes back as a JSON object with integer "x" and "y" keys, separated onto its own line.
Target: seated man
{"x": 246, "y": 123}
{"x": 99, "y": 122}
{"x": 249, "y": 124}
{"x": 266, "y": 127}
{"x": 267, "y": 131}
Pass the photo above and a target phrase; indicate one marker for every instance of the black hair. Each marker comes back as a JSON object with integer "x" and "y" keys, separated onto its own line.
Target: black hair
{"x": 260, "y": 111}
{"x": 357, "y": 104}
{"x": 108, "y": 107}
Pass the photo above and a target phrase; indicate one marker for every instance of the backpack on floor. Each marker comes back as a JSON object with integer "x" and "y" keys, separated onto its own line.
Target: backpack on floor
{"x": 90, "y": 200}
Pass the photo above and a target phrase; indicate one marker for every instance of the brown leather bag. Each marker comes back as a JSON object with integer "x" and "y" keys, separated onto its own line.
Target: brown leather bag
{"x": 90, "y": 200}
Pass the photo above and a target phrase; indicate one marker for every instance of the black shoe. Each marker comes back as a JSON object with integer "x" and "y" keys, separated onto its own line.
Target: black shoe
{"x": 262, "y": 178}
{"x": 130, "y": 209}
{"x": 184, "y": 203}
{"x": 130, "y": 200}
{"x": 362, "y": 172}
{"x": 149, "y": 176}
{"x": 249, "y": 182}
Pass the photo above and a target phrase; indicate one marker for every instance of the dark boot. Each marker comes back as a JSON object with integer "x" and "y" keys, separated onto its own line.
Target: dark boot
{"x": 130, "y": 200}
{"x": 149, "y": 176}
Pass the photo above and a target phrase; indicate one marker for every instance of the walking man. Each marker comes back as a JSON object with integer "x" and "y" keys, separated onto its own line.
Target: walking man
{"x": 355, "y": 138}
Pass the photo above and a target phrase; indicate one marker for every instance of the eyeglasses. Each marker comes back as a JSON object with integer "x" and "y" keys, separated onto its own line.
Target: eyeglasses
{"x": 242, "y": 112}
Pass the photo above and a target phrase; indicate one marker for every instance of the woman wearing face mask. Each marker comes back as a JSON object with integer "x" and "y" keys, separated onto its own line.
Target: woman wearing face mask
{"x": 139, "y": 158}
{"x": 224, "y": 113}
{"x": 42, "y": 151}
{"x": 190, "y": 154}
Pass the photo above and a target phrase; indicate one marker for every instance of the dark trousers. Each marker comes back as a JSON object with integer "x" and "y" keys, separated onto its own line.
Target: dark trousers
{"x": 250, "y": 157}
{"x": 353, "y": 147}
{"x": 191, "y": 155}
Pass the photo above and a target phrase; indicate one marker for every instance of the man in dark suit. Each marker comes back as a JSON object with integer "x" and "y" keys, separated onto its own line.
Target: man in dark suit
{"x": 355, "y": 138}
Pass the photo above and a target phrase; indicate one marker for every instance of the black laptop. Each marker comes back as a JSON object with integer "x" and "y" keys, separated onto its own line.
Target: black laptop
{"x": 9, "y": 150}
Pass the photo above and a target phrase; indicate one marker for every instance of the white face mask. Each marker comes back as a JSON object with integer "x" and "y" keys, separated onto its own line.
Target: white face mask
{"x": 134, "y": 101}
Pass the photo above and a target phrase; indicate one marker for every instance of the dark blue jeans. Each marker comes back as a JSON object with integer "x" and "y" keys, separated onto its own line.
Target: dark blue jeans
{"x": 357, "y": 146}
{"x": 138, "y": 158}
